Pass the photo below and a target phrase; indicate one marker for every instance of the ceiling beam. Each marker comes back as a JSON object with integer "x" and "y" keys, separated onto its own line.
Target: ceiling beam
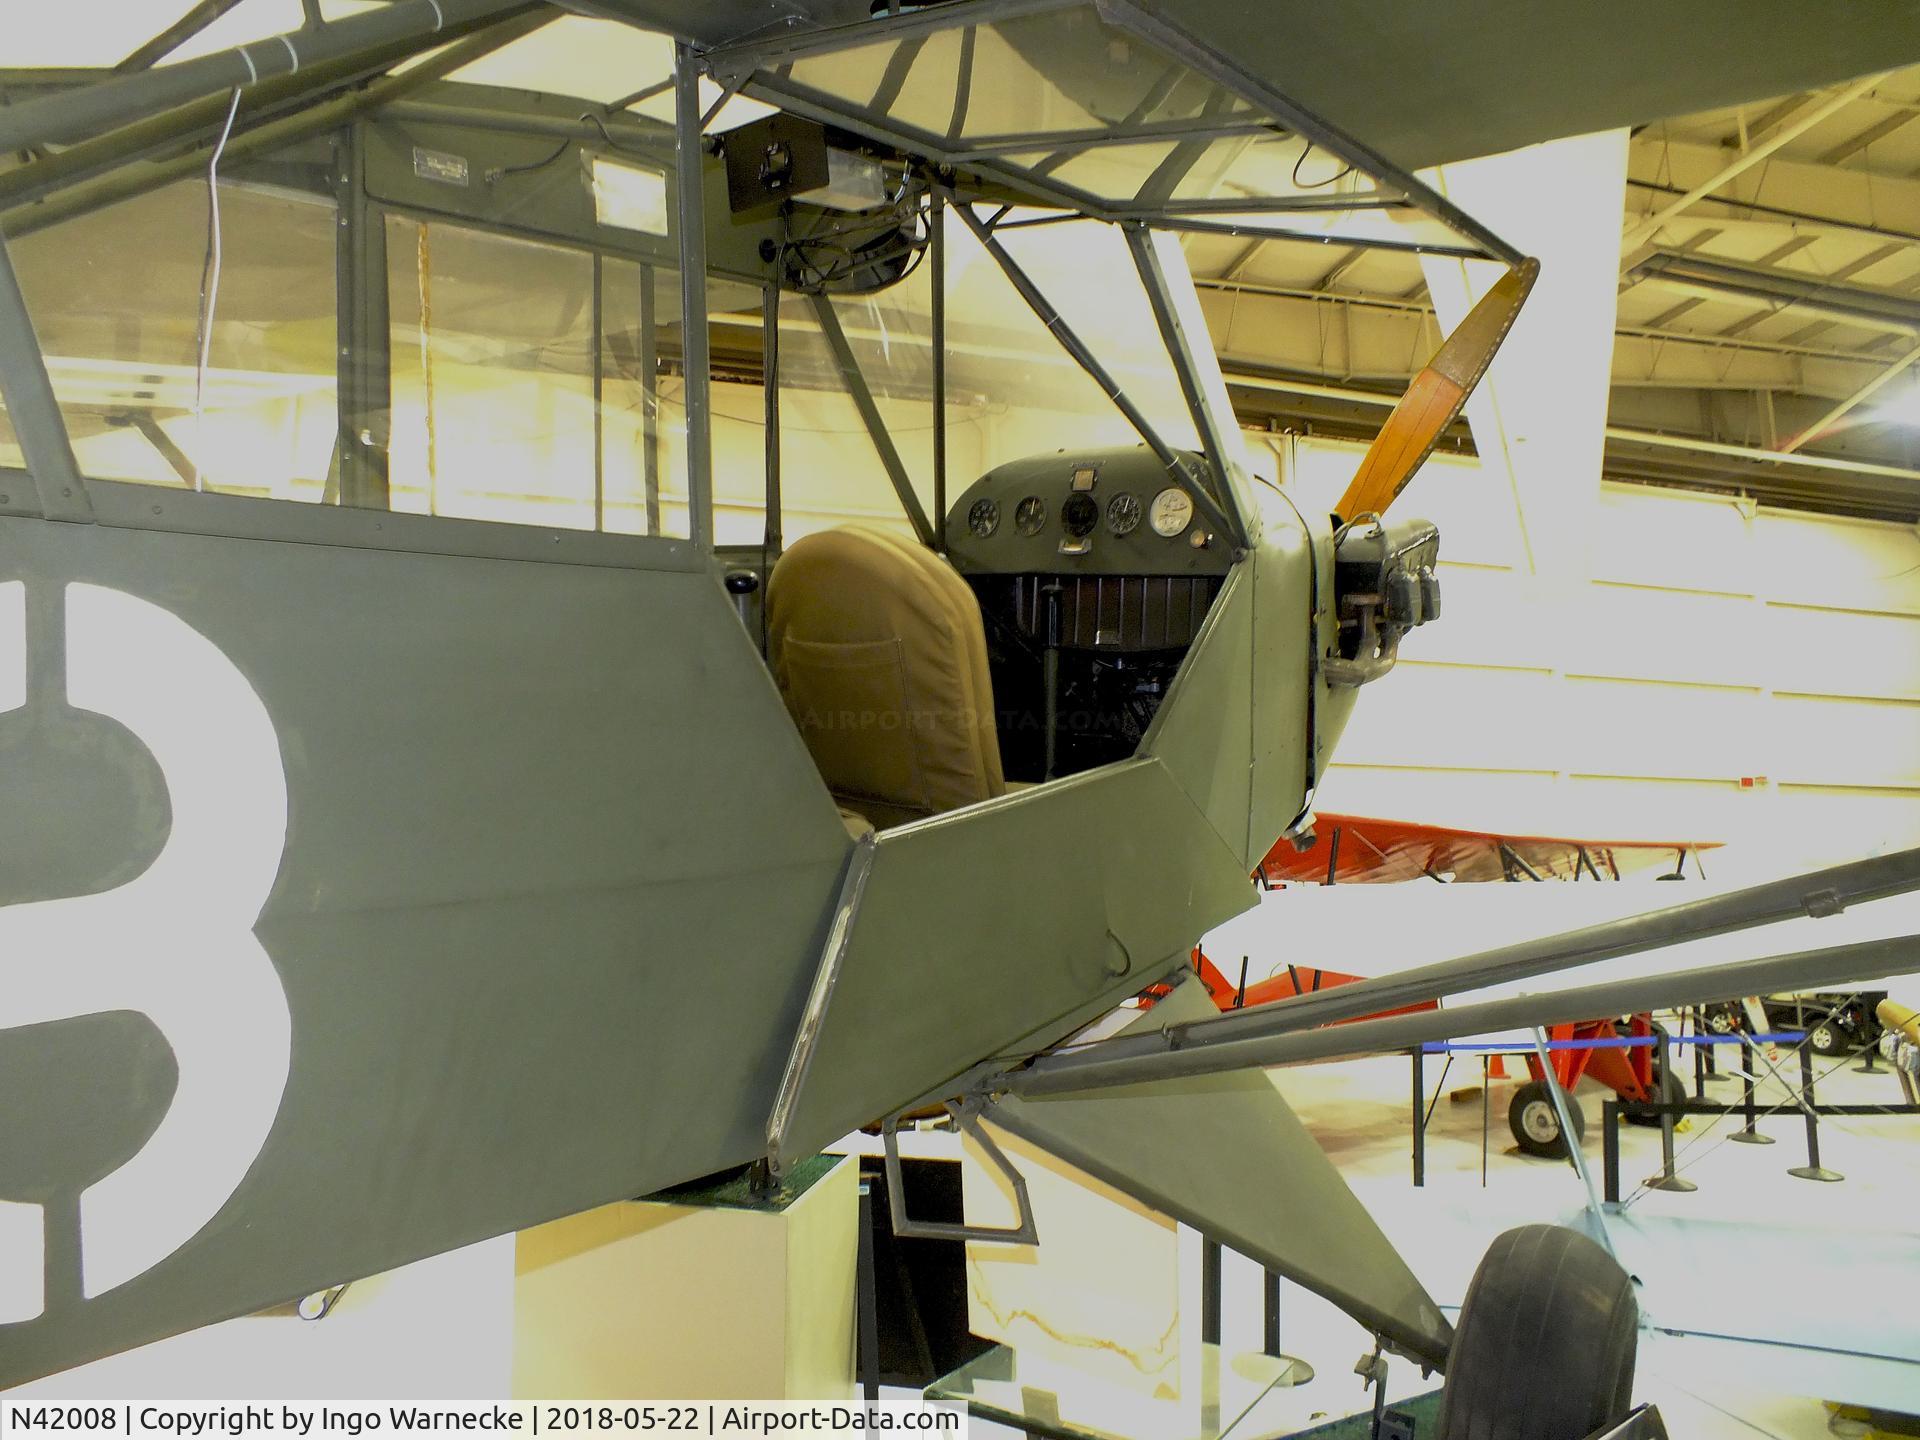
{"x": 1339, "y": 267}
{"x": 1864, "y": 393}
{"x": 1862, "y": 304}
{"x": 1776, "y": 216}
{"x": 1242, "y": 260}
{"x": 1879, "y": 130}
{"x": 1778, "y": 114}
{"x": 1785, "y": 134}
{"x": 1651, "y": 330}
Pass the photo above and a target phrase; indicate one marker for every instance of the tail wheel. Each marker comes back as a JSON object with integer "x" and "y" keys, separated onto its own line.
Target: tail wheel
{"x": 1535, "y": 1122}
{"x": 1546, "y": 1342}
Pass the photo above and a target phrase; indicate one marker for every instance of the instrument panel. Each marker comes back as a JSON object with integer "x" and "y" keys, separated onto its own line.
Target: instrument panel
{"x": 1109, "y": 512}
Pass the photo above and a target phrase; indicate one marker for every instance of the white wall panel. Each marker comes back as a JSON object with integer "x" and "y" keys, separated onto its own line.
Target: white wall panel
{"x": 1725, "y": 675}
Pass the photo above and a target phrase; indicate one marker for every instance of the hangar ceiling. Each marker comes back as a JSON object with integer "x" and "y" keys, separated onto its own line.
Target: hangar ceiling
{"x": 1768, "y": 332}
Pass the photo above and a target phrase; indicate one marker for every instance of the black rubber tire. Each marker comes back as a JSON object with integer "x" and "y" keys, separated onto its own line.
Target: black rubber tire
{"x": 1536, "y": 1140}
{"x": 1546, "y": 1342}
{"x": 1676, "y": 1094}
{"x": 1827, "y": 1038}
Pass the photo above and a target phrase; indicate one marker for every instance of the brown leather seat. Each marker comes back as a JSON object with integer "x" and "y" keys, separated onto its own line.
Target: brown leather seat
{"x": 880, "y": 653}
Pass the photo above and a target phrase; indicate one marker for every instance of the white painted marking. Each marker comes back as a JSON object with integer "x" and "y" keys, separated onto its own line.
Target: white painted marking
{"x": 22, "y": 1267}
{"x": 175, "y": 944}
{"x": 13, "y": 645}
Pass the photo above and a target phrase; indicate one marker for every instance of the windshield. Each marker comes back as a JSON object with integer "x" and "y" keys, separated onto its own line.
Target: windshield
{"x": 1011, "y": 391}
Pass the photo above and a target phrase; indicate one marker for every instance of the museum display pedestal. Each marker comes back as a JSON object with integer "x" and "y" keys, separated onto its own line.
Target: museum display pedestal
{"x": 704, "y": 1294}
{"x": 1042, "y": 1397}
{"x": 1100, "y": 1324}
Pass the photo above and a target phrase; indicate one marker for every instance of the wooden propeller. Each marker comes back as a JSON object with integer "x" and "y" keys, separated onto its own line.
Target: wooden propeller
{"x": 1437, "y": 395}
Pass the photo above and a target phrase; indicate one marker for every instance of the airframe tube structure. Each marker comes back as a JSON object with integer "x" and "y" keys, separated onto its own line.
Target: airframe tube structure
{"x": 1273, "y": 1034}
{"x": 72, "y": 114}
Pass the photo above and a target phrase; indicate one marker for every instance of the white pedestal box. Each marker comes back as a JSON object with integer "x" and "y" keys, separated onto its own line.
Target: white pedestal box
{"x": 692, "y": 1301}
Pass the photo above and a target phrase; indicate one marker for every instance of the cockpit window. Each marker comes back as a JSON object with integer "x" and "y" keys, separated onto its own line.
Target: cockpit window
{"x": 245, "y": 405}
{"x": 1021, "y": 391}
{"x": 467, "y": 308}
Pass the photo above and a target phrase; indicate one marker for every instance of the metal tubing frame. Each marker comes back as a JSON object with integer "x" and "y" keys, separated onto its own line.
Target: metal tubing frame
{"x": 863, "y": 401}
{"x": 364, "y": 399}
{"x": 190, "y": 125}
{"x": 649, "y": 399}
{"x": 1203, "y": 1049}
{"x": 73, "y": 114}
{"x": 779, "y": 50}
{"x": 966, "y": 1119}
{"x": 773, "y": 536}
{"x": 1819, "y": 892}
{"x": 203, "y": 14}
{"x": 593, "y": 128}
{"x": 696, "y": 363}
{"x": 132, "y": 181}
{"x": 1181, "y": 46}
{"x": 937, "y": 244}
{"x": 813, "y": 1018}
{"x": 1180, "y": 351}
{"x": 749, "y": 64}
{"x": 1570, "y": 1137}
{"x": 33, "y": 409}
{"x": 599, "y": 393}
{"x": 1077, "y": 350}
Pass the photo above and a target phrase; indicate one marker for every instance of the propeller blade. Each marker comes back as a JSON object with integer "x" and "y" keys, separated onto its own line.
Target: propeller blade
{"x": 1437, "y": 395}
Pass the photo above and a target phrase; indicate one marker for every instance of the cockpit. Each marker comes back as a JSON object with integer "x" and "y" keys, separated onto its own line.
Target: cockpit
{"x": 930, "y": 388}
{"x": 1073, "y": 586}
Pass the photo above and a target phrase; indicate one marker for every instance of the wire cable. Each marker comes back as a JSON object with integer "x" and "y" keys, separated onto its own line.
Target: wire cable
{"x": 209, "y": 288}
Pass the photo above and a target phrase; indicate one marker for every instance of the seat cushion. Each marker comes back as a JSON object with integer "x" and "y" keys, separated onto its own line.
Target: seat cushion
{"x": 880, "y": 654}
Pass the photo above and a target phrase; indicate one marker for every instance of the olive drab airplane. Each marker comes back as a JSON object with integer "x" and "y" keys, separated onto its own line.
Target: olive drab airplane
{"x": 426, "y": 683}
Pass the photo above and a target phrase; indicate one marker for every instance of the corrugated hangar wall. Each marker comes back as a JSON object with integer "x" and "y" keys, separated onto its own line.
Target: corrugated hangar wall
{"x": 1721, "y": 673}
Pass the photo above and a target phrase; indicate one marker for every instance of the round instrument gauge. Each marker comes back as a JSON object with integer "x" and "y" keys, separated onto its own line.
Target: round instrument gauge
{"x": 1123, "y": 513}
{"x": 1172, "y": 511}
{"x": 984, "y": 518}
{"x": 1030, "y": 515}
{"x": 1078, "y": 515}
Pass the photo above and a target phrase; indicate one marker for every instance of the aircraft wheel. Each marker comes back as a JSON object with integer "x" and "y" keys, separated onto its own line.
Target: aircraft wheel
{"x": 1827, "y": 1038}
{"x": 1536, "y": 1124}
{"x": 1546, "y": 1343}
{"x": 1674, "y": 1093}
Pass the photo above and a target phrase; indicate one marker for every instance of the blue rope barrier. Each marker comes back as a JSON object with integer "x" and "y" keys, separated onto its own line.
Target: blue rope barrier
{"x": 1617, "y": 1042}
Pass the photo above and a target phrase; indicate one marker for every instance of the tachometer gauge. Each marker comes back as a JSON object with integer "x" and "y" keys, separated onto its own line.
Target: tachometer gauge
{"x": 1079, "y": 514}
{"x": 1123, "y": 513}
{"x": 984, "y": 518}
{"x": 1172, "y": 511}
{"x": 1030, "y": 515}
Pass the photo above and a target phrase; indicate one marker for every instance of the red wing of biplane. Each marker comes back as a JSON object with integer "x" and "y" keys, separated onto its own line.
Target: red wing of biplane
{"x": 1356, "y": 849}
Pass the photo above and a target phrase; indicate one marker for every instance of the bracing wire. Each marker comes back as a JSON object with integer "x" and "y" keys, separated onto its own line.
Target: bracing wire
{"x": 209, "y": 290}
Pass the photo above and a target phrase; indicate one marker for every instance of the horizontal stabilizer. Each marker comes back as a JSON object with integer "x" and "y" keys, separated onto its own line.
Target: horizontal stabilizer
{"x": 1226, "y": 1155}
